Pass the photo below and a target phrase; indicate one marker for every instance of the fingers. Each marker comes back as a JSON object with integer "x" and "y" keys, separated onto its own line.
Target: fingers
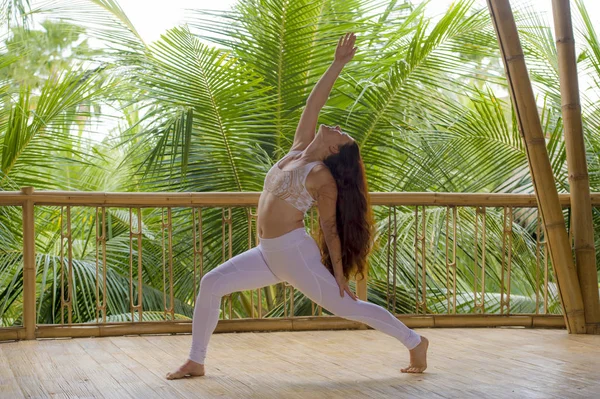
{"x": 347, "y": 40}
{"x": 349, "y": 291}
{"x": 344, "y": 287}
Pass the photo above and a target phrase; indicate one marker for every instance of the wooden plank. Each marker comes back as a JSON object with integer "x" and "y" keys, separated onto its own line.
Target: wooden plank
{"x": 225, "y": 355}
{"x": 9, "y": 387}
{"x": 519, "y": 355}
{"x": 27, "y": 374}
{"x": 159, "y": 362}
{"x": 101, "y": 351}
{"x": 52, "y": 378}
{"x": 70, "y": 371}
{"x": 295, "y": 372}
{"x": 134, "y": 369}
{"x": 383, "y": 377}
{"x": 462, "y": 363}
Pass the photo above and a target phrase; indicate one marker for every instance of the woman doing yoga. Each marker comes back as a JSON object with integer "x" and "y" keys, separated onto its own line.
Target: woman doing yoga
{"x": 325, "y": 168}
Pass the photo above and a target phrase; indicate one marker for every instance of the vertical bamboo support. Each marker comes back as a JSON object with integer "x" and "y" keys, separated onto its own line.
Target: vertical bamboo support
{"x": 537, "y": 268}
{"x": 313, "y": 225}
{"x": 451, "y": 260}
{"x": 227, "y": 253}
{"x": 582, "y": 226}
{"x": 479, "y": 305}
{"x": 252, "y": 217}
{"x": 392, "y": 234}
{"x": 389, "y": 241}
{"x": 507, "y": 223}
{"x": 138, "y": 235}
{"x": 198, "y": 251}
{"x": 167, "y": 262}
{"x": 395, "y": 261}
{"x": 29, "y": 269}
{"x": 420, "y": 304}
{"x": 101, "y": 243}
{"x": 541, "y": 255}
{"x": 539, "y": 163}
{"x": 285, "y": 307}
{"x": 361, "y": 286}
{"x": 66, "y": 295}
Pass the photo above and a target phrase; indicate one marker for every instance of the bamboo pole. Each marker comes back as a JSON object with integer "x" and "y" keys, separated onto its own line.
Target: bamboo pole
{"x": 579, "y": 183}
{"x": 219, "y": 199}
{"x": 29, "y": 272}
{"x": 12, "y": 333}
{"x": 539, "y": 163}
{"x": 361, "y": 287}
{"x": 296, "y": 323}
{"x": 361, "y": 291}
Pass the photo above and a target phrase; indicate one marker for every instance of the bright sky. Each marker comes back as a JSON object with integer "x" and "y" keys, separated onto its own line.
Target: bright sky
{"x": 152, "y": 17}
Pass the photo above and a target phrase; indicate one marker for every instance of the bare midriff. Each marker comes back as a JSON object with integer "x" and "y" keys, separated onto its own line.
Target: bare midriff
{"x": 276, "y": 217}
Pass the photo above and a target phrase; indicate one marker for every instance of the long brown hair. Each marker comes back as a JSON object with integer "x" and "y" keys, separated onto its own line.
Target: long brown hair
{"x": 354, "y": 217}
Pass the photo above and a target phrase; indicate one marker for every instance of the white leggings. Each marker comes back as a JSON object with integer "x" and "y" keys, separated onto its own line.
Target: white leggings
{"x": 293, "y": 257}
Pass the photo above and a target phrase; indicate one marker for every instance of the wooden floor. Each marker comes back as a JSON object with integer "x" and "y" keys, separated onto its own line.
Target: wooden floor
{"x": 463, "y": 363}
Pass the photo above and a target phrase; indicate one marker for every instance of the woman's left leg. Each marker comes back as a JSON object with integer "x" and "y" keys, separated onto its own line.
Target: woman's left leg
{"x": 301, "y": 266}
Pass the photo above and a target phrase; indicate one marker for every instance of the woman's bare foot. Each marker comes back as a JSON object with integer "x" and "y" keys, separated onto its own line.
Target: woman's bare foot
{"x": 189, "y": 368}
{"x": 418, "y": 357}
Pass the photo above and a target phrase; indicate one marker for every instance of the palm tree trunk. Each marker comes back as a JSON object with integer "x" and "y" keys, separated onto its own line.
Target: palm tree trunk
{"x": 579, "y": 182}
{"x": 539, "y": 164}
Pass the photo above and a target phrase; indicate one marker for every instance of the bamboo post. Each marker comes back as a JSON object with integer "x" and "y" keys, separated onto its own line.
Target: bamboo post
{"x": 361, "y": 292}
{"x": 579, "y": 183}
{"x": 29, "y": 272}
{"x": 361, "y": 287}
{"x": 539, "y": 164}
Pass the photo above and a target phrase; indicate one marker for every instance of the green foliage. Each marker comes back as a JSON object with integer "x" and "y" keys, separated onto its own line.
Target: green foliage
{"x": 213, "y": 103}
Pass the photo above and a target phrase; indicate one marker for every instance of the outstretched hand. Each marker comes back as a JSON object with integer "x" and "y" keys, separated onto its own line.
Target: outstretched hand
{"x": 345, "y": 49}
{"x": 344, "y": 287}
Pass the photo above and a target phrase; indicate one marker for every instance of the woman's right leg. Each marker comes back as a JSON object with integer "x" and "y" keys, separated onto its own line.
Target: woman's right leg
{"x": 301, "y": 266}
{"x": 245, "y": 271}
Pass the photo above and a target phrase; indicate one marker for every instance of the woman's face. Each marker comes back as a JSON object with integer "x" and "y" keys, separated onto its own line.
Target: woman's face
{"x": 333, "y": 137}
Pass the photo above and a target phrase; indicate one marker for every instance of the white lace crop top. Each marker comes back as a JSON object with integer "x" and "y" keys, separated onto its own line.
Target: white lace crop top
{"x": 288, "y": 185}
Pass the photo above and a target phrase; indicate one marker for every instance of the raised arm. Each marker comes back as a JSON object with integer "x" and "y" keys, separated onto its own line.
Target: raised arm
{"x": 305, "y": 132}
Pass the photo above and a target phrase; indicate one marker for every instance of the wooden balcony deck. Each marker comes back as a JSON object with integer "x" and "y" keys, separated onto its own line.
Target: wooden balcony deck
{"x": 463, "y": 363}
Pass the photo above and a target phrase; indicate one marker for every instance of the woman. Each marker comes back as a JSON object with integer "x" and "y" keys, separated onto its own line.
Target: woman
{"x": 325, "y": 168}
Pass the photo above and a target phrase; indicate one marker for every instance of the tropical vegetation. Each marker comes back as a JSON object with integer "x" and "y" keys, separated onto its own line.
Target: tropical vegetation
{"x": 87, "y": 105}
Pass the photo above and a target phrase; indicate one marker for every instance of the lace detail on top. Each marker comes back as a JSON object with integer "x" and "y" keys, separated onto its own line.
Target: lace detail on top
{"x": 288, "y": 185}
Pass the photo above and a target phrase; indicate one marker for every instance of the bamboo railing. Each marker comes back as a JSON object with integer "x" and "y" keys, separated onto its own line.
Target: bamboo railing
{"x": 479, "y": 210}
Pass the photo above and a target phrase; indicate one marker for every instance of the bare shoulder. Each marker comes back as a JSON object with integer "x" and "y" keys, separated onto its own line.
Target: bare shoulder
{"x": 320, "y": 175}
{"x": 320, "y": 180}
